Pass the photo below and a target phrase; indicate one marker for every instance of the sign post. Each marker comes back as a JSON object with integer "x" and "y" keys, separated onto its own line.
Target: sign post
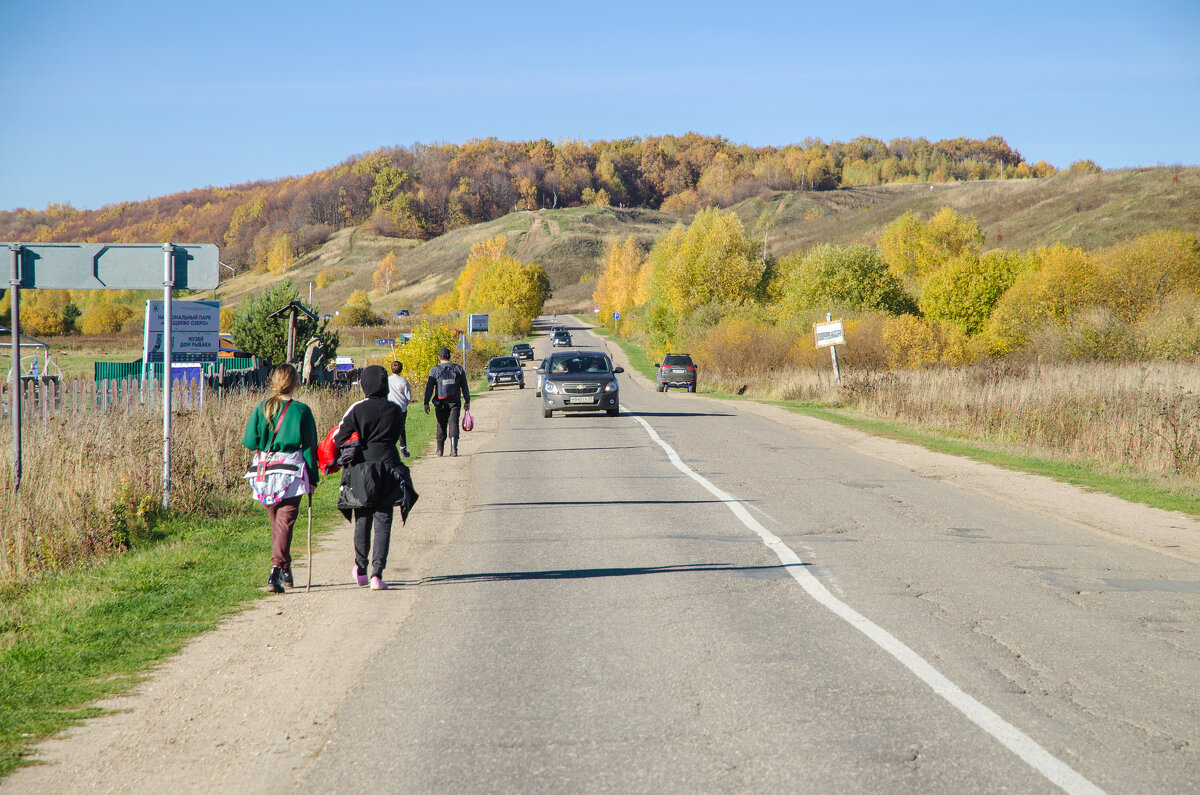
{"x": 831, "y": 334}
{"x": 14, "y": 290}
{"x": 168, "y": 382}
{"x": 107, "y": 266}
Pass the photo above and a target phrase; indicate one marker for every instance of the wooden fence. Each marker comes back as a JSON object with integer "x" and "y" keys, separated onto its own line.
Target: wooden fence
{"x": 48, "y": 397}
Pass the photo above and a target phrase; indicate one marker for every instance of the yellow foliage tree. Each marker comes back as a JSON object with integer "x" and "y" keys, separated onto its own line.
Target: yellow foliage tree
{"x": 617, "y": 285}
{"x": 358, "y": 310}
{"x": 105, "y": 319}
{"x": 1061, "y": 283}
{"x": 483, "y": 255}
{"x": 385, "y": 273}
{"x": 1137, "y": 276}
{"x": 710, "y": 261}
{"x": 517, "y": 286}
{"x": 914, "y": 249}
{"x": 281, "y": 256}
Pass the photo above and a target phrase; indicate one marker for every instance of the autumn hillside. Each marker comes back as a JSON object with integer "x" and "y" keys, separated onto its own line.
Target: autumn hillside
{"x": 1086, "y": 210}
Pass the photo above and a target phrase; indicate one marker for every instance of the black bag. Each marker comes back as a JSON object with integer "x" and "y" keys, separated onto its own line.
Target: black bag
{"x": 447, "y": 382}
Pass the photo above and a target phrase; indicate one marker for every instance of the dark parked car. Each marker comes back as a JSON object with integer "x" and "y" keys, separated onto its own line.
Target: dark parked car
{"x": 505, "y": 371}
{"x": 522, "y": 350}
{"x": 401, "y": 313}
{"x": 677, "y": 369}
{"x": 561, "y": 339}
{"x": 580, "y": 381}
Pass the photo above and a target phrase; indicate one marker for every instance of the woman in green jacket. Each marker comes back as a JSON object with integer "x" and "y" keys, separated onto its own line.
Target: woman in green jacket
{"x": 282, "y": 425}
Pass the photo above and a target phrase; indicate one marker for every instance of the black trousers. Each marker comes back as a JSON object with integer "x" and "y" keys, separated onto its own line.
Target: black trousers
{"x": 447, "y": 420}
{"x": 366, "y": 519}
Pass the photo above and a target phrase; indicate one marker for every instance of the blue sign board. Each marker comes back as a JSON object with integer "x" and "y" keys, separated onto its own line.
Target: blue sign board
{"x": 385, "y": 342}
{"x": 616, "y": 315}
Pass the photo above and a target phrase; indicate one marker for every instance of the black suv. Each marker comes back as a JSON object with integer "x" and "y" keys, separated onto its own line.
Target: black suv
{"x": 677, "y": 369}
{"x": 522, "y": 350}
{"x": 503, "y": 370}
{"x": 561, "y": 339}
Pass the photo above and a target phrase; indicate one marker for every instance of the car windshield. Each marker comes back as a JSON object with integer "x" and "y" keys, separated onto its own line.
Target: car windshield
{"x": 501, "y": 362}
{"x": 677, "y": 361}
{"x": 580, "y": 364}
{"x": 521, "y": 346}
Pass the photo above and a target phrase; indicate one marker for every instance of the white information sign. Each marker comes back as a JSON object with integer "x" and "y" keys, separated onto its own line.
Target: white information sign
{"x": 195, "y": 330}
{"x": 829, "y": 334}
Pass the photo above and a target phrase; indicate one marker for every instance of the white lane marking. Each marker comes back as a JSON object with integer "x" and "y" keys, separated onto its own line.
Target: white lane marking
{"x": 1015, "y": 740}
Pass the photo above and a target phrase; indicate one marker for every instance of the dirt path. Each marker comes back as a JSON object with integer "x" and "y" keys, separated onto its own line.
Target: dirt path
{"x": 245, "y": 706}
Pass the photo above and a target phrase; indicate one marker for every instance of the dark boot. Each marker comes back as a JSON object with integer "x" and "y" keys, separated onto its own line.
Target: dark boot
{"x": 275, "y": 580}
{"x": 285, "y": 573}
{"x": 441, "y": 446}
{"x": 454, "y": 446}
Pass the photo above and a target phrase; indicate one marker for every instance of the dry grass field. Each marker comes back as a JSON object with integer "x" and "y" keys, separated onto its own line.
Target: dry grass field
{"x": 92, "y": 481}
{"x": 1129, "y": 419}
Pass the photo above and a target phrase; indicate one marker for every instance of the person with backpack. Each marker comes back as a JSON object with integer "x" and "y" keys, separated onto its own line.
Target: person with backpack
{"x": 280, "y": 424}
{"x": 400, "y": 393}
{"x": 447, "y": 387}
{"x": 374, "y": 479}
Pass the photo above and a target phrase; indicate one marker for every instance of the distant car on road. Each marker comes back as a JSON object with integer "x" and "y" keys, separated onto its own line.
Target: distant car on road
{"x": 580, "y": 381}
{"x": 522, "y": 350}
{"x": 561, "y": 339}
{"x": 677, "y": 369}
{"x": 505, "y": 371}
{"x": 401, "y": 313}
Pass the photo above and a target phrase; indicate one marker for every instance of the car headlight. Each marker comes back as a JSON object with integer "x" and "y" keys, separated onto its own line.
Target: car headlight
{"x": 611, "y": 386}
{"x": 548, "y": 386}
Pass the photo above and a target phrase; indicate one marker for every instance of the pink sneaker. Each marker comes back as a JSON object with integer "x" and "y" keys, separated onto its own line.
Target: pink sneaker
{"x": 359, "y": 576}
{"x": 378, "y": 585}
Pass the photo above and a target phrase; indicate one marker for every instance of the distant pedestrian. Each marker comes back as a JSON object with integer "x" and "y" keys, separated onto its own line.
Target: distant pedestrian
{"x": 400, "y": 393}
{"x": 447, "y": 387}
{"x": 280, "y": 424}
{"x": 374, "y": 479}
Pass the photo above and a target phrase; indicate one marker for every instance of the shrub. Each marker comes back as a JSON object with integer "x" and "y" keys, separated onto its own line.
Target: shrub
{"x": 105, "y": 319}
{"x": 914, "y": 343}
{"x": 327, "y": 276}
{"x": 358, "y": 311}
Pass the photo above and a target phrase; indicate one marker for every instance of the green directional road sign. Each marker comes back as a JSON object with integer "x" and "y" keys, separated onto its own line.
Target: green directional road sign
{"x": 114, "y": 266}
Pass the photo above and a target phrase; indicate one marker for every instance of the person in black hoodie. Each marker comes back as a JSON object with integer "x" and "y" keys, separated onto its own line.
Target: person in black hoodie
{"x": 375, "y": 480}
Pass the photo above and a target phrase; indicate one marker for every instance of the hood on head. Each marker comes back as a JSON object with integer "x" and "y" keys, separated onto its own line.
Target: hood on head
{"x": 374, "y": 381}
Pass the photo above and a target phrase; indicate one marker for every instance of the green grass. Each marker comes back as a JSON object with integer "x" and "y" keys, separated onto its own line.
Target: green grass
{"x": 69, "y": 639}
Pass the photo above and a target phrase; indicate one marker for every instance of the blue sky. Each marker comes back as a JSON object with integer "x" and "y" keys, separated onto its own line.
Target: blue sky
{"x": 105, "y": 102}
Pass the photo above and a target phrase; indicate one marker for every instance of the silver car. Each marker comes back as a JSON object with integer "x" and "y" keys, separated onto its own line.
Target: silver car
{"x": 579, "y": 381}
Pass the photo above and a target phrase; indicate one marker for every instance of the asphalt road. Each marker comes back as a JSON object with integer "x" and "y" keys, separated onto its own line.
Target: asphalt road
{"x": 604, "y": 621}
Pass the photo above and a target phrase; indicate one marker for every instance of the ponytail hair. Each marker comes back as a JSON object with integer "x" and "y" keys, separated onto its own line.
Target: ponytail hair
{"x": 284, "y": 381}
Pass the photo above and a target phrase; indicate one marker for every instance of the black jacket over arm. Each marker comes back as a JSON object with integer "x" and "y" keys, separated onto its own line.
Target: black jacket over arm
{"x": 379, "y": 478}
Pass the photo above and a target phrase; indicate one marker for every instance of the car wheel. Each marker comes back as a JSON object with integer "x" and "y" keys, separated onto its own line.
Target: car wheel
{"x": 522, "y": 386}
{"x": 692, "y": 388}
{"x": 547, "y": 413}
{"x": 489, "y": 387}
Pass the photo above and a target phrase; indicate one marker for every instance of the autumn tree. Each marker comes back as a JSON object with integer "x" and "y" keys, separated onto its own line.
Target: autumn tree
{"x": 617, "y": 286}
{"x": 831, "y": 277}
{"x": 281, "y": 256}
{"x": 358, "y": 311}
{"x": 964, "y": 292}
{"x": 913, "y": 249}
{"x": 385, "y": 273}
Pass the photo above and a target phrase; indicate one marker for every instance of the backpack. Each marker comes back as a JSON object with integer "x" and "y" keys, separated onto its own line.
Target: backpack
{"x": 447, "y": 382}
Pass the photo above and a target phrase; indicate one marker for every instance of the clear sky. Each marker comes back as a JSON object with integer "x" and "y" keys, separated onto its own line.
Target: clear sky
{"x": 110, "y": 101}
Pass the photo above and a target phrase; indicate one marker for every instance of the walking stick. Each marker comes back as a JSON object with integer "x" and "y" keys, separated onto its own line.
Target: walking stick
{"x": 308, "y": 585}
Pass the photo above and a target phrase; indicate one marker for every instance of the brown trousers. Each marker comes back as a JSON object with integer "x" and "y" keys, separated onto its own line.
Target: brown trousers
{"x": 283, "y": 518}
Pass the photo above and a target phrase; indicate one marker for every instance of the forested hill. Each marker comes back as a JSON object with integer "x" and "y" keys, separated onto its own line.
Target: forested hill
{"x": 424, "y": 191}
{"x": 1090, "y": 211}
